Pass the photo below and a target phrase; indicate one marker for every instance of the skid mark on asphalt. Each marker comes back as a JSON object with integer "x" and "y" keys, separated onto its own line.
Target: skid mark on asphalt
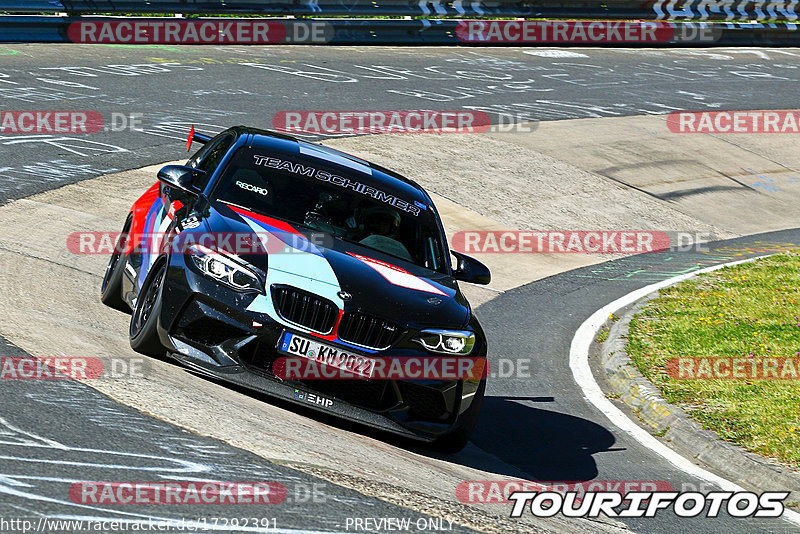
{"x": 660, "y": 266}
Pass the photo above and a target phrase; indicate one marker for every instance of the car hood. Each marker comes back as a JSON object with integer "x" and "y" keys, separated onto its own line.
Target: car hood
{"x": 356, "y": 278}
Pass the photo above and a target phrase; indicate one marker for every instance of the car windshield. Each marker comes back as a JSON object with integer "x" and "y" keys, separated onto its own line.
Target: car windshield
{"x": 304, "y": 191}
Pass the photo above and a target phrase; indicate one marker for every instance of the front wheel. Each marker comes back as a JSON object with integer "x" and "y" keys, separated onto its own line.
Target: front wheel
{"x": 111, "y": 288}
{"x": 455, "y": 441}
{"x": 143, "y": 330}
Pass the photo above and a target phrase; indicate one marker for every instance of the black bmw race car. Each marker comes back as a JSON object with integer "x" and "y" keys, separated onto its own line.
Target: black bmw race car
{"x": 308, "y": 274}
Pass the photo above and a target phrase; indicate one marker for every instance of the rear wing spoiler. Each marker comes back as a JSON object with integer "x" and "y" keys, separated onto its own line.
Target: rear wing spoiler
{"x": 196, "y": 137}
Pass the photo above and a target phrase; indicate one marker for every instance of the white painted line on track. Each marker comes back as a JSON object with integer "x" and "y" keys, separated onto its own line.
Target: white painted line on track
{"x": 554, "y": 53}
{"x": 579, "y": 365}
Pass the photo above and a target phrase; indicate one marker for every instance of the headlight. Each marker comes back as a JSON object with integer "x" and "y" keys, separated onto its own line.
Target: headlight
{"x": 223, "y": 268}
{"x": 446, "y": 341}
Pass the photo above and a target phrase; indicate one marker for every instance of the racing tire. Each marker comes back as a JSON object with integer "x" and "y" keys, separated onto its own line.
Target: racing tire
{"x": 111, "y": 288}
{"x": 455, "y": 441}
{"x": 144, "y": 320}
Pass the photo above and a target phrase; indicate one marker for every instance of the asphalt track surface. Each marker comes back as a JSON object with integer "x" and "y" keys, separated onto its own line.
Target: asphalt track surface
{"x": 550, "y": 431}
{"x": 541, "y": 427}
{"x": 61, "y": 433}
{"x": 168, "y": 88}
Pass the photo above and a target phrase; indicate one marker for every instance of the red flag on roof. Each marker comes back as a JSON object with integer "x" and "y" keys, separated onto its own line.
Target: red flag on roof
{"x": 189, "y": 141}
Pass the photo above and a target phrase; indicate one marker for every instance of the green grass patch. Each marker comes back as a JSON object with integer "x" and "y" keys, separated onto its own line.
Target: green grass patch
{"x": 603, "y": 335}
{"x": 661, "y": 433}
{"x": 749, "y": 311}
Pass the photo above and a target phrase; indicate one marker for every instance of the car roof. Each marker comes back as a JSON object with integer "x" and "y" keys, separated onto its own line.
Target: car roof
{"x": 349, "y": 165}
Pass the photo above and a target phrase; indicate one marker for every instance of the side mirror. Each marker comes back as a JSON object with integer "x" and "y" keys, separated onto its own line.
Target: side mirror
{"x": 180, "y": 177}
{"x": 470, "y": 270}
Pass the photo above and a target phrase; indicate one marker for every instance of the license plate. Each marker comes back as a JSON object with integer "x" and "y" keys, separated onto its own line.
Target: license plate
{"x": 337, "y": 357}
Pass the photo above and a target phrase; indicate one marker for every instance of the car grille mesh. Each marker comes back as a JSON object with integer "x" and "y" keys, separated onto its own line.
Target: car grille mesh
{"x": 305, "y": 309}
{"x": 367, "y": 331}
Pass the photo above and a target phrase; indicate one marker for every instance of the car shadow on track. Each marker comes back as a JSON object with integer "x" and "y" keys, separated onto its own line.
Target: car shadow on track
{"x": 512, "y": 438}
{"x": 537, "y": 444}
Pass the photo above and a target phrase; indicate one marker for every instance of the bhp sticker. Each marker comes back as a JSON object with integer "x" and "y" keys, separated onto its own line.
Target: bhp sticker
{"x": 177, "y": 492}
{"x": 551, "y": 242}
{"x": 363, "y": 122}
{"x": 785, "y": 121}
{"x": 50, "y": 122}
{"x": 497, "y": 491}
{"x": 15, "y": 368}
{"x": 177, "y": 32}
{"x": 734, "y": 368}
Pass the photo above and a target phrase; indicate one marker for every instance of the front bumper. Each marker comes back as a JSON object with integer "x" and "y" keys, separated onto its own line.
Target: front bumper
{"x": 206, "y": 327}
